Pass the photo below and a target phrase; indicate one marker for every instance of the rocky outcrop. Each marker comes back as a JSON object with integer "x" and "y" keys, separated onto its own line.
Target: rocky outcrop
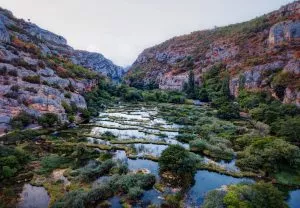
{"x": 98, "y": 63}
{"x": 253, "y": 53}
{"x": 4, "y": 35}
{"x": 285, "y": 31}
{"x": 40, "y": 73}
{"x": 44, "y": 35}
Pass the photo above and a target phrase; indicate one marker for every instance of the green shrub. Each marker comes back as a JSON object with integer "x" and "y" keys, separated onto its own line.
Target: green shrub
{"x": 185, "y": 137}
{"x": 288, "y": 127}
{"x": 15, "y": 88}
{"x": 31, "y": 89}
{"x": 133, "y": 95}
{"x": 280, "y": 81}
{"x": 90, "y": 173}
{"x": 22, "y": 120}
{"x": 8, "y": 172}
{"x": 180, "y": 162}
{"x": 12, "y": 95}
{"x": 177, "y": 99}
{"x": 255, "y": 195}
{"x": 123, "y": 183}
{"x": 13, "y": 73}
{"x": 134, "y": 193}
{"x": 198, "y": 145}
{"x": 11, "y": 161}
{"x": 3, "y": 71}
{"x": 49, "y": 120}
{"x": 32, "y": 79}
{"x": 229, "y": 111}
{"x": 51, "y": 162}
{"x": 269, "y": 154}
{"x": 77, "y": 198}
{"x": 84, "y": 113}
{"x": 17, "y": 136}
{"x": 214, "y": 199}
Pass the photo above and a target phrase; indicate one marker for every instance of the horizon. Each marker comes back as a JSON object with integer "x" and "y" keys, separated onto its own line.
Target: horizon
{"x": 106, "y": 36}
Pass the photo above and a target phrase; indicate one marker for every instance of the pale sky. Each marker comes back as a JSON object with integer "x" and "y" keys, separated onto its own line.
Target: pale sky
{"x": 121, "y": 29}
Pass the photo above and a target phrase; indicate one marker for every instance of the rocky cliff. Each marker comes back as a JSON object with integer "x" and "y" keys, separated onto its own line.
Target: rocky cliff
{"x": 258, "y": 52}
{"x": 39, "y": 72}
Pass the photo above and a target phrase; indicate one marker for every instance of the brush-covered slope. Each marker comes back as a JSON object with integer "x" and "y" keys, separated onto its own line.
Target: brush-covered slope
{"x": 40, "y": 73}
{"x": 263, "y": 53}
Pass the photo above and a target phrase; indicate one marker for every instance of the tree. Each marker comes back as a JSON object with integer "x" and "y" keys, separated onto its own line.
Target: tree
{"x": 288, "y": 127}
{"x": 179, "y": 162}
{"x": 269, "y": 154}
{"x": 254, "y": 195}
{"x": 49, "y": 120}
{"x": 22, "y": 120}
{"x": 190, "y": 86}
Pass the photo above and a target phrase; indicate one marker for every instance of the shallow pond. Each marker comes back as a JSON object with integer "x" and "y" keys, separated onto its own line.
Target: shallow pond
{"x": 135, "y": 124}
{"x": 228, "y": 165}
{"x": 206, "y": 181}
{"x": 149, "y": 149}
{"x": 294, "y": 199}
{"x": 33, "y": 197}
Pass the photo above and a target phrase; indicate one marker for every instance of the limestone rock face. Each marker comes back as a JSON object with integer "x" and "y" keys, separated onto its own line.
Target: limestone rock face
{"x": 35, "y": 67}
{"x": 4, "y": 35}
{"x": 170, "y": 82}
{"x": 284, "y": 31}
{"x": 42, "y": 34}
{"x": 98, "y": 63}
{"x": 255, "y": 51}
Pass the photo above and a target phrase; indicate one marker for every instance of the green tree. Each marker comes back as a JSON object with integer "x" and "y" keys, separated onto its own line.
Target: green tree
{"x": 49, "y": 120}
{"x": 179, "y": 162}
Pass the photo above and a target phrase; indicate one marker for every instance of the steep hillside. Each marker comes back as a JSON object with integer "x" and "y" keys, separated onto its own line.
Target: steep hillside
{"x": 40, "y": 73}
{"x": 259, "y": 54}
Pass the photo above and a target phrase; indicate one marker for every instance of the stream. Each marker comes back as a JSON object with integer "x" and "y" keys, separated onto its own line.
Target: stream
{"x": 144, "y": 124}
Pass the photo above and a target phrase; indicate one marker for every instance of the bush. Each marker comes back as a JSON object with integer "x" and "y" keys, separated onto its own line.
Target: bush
{"x": 32, "y": 79}
{"x": 15, "y": 88}
{"x": 3, "y": 71}
{"x": 90, "y": 173}
{"x": 229, "y": 110}
{"x": 123, "y": 183}
{"x": 8, "y": 172}
{"x": 11, "y": 161}
{"x": 17, "y": 136}
{"x": 51, "y": 162}
{"x": 134, "y": 193}
{"x": 198, "y": 145}
{"x": 76, "y": 199}
{"x": 13, "y": 73}
{"x": 68, "y": 95}
{"x": 84, "y": 113}
{"x": 288, "y": 127}
{"x": 177, "y": 99}
{"x": 255, "y": 195}
{"x": 49, "y": 120}
{"x": 214, "y": 199}
{"x": 269, "y": 154}
{"x": 12, "y": 95}
{"x": 185, "y": 137}
{"x": 22, "y": 120}
{"x": 180, "y": 162}
{"x": 31, "y": 89}
{"x": 280, "y": 81}
{"x": 133, "y": 95}
{"x": 71, "y": 119}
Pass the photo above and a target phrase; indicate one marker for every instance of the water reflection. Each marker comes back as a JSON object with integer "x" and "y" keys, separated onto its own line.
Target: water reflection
{"x": 294, "y": 199}
{"x": 33, "y": 197}
{"x": 206, "y": 181}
